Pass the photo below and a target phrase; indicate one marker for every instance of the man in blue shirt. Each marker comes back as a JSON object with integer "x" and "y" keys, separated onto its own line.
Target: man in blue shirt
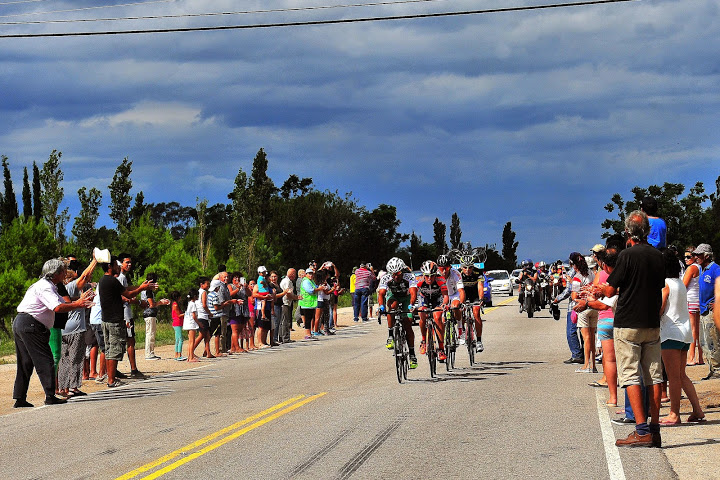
{"x": 710, "y": 339}
{"x": 658, "y": 228}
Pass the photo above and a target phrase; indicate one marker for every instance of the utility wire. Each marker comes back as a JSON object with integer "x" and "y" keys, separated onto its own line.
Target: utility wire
{"x": 215, "y": 14}
{"x": 82, "y": 9}
{"x": 314, "y": 22}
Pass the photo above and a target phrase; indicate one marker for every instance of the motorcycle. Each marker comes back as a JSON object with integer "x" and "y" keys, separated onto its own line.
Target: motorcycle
{"x": 527, "y": 297}
{"x": 544, "y": 294}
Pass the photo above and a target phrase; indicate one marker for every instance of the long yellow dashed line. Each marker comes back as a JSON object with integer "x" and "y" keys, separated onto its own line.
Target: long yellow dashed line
{"x": 166, "y": 458}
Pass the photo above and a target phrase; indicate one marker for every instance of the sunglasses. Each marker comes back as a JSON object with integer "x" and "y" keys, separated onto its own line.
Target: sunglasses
{"x": 688, "y": 256}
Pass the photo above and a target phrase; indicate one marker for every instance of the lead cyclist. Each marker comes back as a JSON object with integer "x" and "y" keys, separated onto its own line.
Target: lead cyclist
{"x": 455, "y": 286}
{"x": 398, "y": 290}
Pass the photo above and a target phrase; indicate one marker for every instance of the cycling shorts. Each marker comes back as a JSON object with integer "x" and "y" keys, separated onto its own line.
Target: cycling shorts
{"x": 403, "y": 302}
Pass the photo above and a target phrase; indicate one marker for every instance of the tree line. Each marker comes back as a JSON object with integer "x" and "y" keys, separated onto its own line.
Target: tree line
{"x": 261, "y": 223}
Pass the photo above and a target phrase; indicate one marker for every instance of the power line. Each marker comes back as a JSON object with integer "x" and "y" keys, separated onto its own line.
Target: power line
{"x": 314, "y": 22}
{"x": 82, "y": 9}
{"x": 215, "y": 14}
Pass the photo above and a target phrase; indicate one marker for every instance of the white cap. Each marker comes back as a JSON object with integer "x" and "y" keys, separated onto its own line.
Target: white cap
{"x": 262, "y": 269}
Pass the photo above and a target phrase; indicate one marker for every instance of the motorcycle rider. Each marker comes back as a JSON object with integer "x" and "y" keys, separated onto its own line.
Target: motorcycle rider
{"x": 528, "y": 272}
{"x": 543, "y": 275}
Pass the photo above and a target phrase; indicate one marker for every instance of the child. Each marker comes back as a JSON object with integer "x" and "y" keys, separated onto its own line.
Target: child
{"x": 213, "y": 303}
{"x": 177, "y": 323}
{"x": 203, "y": 316}
{"x": 262, "y": 294}
{"x": 190, "y": 323}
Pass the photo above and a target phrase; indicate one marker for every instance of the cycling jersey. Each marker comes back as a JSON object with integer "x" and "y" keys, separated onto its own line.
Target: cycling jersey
{"x": 454, "y": 282}
{"x": 432, "y": 293}
{"x": 400, "y": 287}
{"x": 470, "y": 280}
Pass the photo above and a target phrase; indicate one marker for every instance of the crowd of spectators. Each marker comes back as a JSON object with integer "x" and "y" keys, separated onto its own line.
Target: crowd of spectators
{"x": 652, "y": 312}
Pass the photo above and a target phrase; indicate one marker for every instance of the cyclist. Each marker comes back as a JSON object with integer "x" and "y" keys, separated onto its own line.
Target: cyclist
{"x": 455, "y": 286}
{"x": 434, "y": 293}
{"x": 398, "y": 290}
{"x": 474, "y": 282}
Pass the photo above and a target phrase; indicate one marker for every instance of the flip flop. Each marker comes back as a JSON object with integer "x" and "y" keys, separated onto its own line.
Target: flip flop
{"x": 694, "y": 419}
{"x": 666, "y": 423}
{"x": 608, "y": 404}
{"x": 598, "y": 385}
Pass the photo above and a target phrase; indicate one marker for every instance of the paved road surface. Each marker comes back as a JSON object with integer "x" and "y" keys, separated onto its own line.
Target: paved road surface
{"x": 334, "y": 409}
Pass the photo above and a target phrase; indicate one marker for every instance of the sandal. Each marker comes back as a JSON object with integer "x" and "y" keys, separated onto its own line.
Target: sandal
{"x": 667, "y": 423}
{"x": 610, "y": 404}
{"x": 695, "y": 419}
{"x": 598, "y": 385}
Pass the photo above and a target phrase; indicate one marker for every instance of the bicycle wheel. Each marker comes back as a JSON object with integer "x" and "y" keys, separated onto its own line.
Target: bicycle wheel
{"x": 405, "y": 352}
{"x": 431, "y": 354}
{"x": 471, "y": 340}
{"x": 397, "y": 351}
{"x": 448, "y": 344}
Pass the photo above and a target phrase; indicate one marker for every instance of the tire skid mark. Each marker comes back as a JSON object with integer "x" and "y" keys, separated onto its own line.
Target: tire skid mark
{"x": 357, "y": 461}
{"x": 314, "y": 458}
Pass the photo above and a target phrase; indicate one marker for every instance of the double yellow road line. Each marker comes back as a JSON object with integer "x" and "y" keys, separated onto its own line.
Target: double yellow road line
{"x": 238, "y": 429}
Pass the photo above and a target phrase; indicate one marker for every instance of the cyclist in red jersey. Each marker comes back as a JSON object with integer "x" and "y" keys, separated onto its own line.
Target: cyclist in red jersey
{"x": 434, "y": 293}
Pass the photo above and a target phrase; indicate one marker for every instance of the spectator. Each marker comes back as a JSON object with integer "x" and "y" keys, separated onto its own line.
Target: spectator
{"x": 224, "y": 297}
{"x": 333, "y": 280}
{"x": 113, "y": 297}
{"x": 31, "y": 331}
{"x": 177, "y": 324}
{"x": 73, "y": 335}
{"x": 190, "y": 323}
{"x": 710, "y": 339}
{"x": 203, "y": 316}
{"x": 676, "y": 335}
{"x": 322, "y": 310}
{"x": 586, "y": 317}
{"x": 98, "y": 356}
{"x": 278, "y": 294}
{"x": 216, "y": 312}
{"x": 298, "y": 283}
{"x": 238, "y": 317}
{"x": 658, "y": 229}
{"x": 576, "y": 351}
{"x": 364, "y": 279}
{"x": 638, "y": 280}
{"x": 308, "y": 304}
{"x": 287, "y": 285}
{"x": 126, "y": 265}
{"x": 692, "y": 284}
{"x": 147, "y": 298}
{"x": 263, "y": 307}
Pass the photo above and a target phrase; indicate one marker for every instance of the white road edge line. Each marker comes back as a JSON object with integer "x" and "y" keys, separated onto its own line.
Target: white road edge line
{"x": 612, "y": 454}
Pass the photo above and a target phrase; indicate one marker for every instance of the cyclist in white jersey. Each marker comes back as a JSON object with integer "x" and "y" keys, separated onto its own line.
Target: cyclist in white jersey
{"x": 453, "y": 280}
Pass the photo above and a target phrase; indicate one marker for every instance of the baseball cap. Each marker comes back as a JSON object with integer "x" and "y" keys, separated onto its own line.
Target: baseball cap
{"x": 262, "y": 269}
{"x": 309, "y": 270}
{"x": 215, "y": 284}
{"x": 703, "y": 248}
{"x": 598, "y": 248}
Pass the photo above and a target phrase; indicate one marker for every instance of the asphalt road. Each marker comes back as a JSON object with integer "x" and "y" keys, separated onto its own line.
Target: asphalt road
{"x": 334, "y": 409}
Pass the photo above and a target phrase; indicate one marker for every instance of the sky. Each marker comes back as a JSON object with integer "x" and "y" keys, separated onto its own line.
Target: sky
{"x": 534, "y": 117}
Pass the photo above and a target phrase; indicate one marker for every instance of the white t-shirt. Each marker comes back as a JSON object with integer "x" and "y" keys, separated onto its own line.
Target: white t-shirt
{"x": 202, "y": 313}
{"x": 675, "y": 321}
{"x": 189, "y": 322}
{"x": 454, "y": 282}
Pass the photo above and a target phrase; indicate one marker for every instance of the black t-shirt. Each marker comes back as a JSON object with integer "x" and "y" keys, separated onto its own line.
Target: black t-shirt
{"x": 639, "y": 277}
{"x": 111, "y": 303}
{"x": 61, "y": 318}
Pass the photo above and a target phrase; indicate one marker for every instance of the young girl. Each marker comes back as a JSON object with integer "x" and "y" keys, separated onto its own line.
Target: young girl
{"x": 190, "y": 323}
{"x": 177, "y": 323}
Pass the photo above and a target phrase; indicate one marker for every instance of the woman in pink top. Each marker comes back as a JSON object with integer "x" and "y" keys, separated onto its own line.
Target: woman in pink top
{"x": 177, "y": 323}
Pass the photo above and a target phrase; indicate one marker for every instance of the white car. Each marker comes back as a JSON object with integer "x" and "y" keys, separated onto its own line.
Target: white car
{"x": 514, "y": 275}
{"x": 501, "y": 282}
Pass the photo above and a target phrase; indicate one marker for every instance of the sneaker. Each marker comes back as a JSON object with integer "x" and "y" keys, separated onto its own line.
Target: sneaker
{"x": 479, "y": 346}
{"x": 22, "y": 403}
{"x": 310, "y": 337}
{"x": 461, "y": 337}
{"x": 329, "y": 332}
{"x": 423, "y": 348}
{"x": 319, "y": 333}
{"x": 119, "y": 374}
{"x": 137, "y": 374}
{"x": 115, "y": 384}
{"x": 390, "y": 343}
{"x": 441, "y": 355}
{"x": 154, "y": 357}
{"x": 586, "y": 370}
{"x": 181, "y": 359}
{"x": 572, "y": 360}
{"x": 101, "y": 379}
{"x": 622, "y": 421}
{"x": 356, "y": 319}
{"x": 413, "y": 362}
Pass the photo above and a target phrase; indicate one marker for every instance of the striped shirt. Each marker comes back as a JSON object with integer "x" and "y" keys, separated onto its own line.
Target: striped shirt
{"x": 363, "y": 278}
{"x": 213, "y": 300}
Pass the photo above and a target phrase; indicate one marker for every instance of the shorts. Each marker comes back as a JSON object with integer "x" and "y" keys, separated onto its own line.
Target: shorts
{"x": 237, "y": 320}
{"x": 403, "y": 303}
{"x": 694, "y": 307}
{"x": 98, "y": 331}
{"x": 214, "y": 326}
{"x": 430, "y": 303}
{"x": 675, "y": 345}
{"x": 605, "y": 328}
{"x": 638, "y": 352}
{"x": 588, "y": 318}
{"x": 333, "y": 299}
{"x": 115, "y": 340}
{"x": 203, "y": 323}
{"x": 131, "y": 328}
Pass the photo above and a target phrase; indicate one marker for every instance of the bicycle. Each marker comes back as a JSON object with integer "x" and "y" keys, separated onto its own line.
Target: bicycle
{"x": 471, "y": 333}
{"x": 400, "y": 347}
{"x": 430, "y": 348}
{"x": 450, "y": 337}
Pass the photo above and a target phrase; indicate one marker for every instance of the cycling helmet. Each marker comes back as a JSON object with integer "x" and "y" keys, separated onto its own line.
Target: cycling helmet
{"x": 429, "y": 268}
{"x": 542, "y": 264}
{"x": 467, "y": 260}
{"x": 395, "y": 265}
{"x": 443, "y": 261}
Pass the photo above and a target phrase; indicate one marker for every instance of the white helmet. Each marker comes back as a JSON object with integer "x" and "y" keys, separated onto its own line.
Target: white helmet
{"x": 429, "y": 268}
{"x": 395, "y": 265}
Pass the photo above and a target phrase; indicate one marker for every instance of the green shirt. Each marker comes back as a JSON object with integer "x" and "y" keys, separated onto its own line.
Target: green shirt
{"x": 307, "y": 290}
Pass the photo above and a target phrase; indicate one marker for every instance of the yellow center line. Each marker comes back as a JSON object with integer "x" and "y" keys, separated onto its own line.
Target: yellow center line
{"x": 206, "y": 439}
{"x": 235, "y": 435}
{"x": 497, "y": 305}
